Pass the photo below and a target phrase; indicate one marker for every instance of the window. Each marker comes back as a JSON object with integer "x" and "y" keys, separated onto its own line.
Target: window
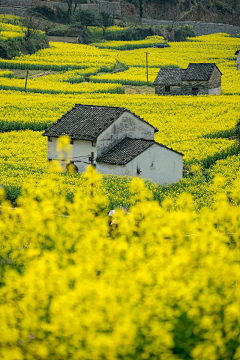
{"x": 194, "y": 90}
{"x": 72, "y": 141}
{"x": 167, "y": 88}
{"x": 49, "y": 138}
{"x": 138, "y": 170}
{"x": 94, "y": 143}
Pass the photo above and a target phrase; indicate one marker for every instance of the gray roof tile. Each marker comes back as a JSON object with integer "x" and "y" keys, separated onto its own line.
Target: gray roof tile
{"x": 194, "y": 71}
{"x": 169, "y": 77}
{"x": 199, "y": 71}
{"x": 87, "y": 122}
{"x": 127, "y": 150}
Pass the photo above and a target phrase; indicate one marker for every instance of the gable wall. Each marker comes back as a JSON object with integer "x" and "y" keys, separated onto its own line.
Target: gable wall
{"x": 215, "y": 80}
{"x": 157, "y": 163}
{"x": 126, "y": 126}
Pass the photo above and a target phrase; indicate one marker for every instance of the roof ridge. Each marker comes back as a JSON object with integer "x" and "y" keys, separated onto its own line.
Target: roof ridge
{"x": 105, "y": 106}
{"x": 205, "y": 63}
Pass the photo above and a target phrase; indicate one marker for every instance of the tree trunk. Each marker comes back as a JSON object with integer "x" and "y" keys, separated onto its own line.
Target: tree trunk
{"x": 141, "y": 8}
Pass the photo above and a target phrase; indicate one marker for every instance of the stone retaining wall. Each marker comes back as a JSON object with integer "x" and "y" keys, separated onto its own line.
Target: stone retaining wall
{"x": 200, "y": 28}
{"x": 18, "y": 6}
{"x": 16, "y": 11}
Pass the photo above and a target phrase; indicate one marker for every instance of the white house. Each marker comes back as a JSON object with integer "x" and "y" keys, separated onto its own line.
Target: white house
{"x": 119, "y": 141}
{"x": 238, "y": 59}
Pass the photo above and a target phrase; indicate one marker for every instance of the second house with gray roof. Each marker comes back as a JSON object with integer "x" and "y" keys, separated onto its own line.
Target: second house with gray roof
{"x": 197, "y": 79}
{"x": 116, "y": 141}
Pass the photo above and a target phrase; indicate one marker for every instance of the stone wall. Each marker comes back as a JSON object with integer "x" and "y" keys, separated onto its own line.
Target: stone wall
{"x": 19, "y": 6}
{"x": 174, "y": 90}
{"x": 201, "y": 88}
{"x": 211, "y": 87}
{"x": 200, "y": 28}
{"x": 215, "y": 80}
{"x": 16, "y": 11}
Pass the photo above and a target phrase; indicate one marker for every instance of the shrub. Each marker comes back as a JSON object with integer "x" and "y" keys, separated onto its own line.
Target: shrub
{"x": 62, "y": 15}
{"x": 87, "y": 18}
{"x": 183, "y": 32}
{"x": 130, "y": 33}
{"x": 46, "y": 11}
{"x": 107, "y": 19}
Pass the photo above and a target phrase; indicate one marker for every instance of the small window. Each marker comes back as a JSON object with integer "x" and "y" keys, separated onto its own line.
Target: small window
{"x": 49, "y": 138}
{"x": 94, "y": 143}
{"x": 167, "y": 88}
{"x": 72, "y": 141}
{"x": 195, "y": 90}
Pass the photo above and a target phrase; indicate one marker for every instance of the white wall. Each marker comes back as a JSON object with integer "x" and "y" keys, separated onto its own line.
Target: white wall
{"x": 78, "y": 149}
{"x": 157, "y": 163}
{"x": 238, "y": 61}
{"x": 127, "y": 125}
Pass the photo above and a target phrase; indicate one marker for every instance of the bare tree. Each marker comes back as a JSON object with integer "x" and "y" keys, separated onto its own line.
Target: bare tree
{"x": 72, "y": 6}
{"x": 141, "y": 8}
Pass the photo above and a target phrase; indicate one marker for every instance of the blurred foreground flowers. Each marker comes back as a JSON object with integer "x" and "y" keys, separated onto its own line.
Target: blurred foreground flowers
{"x": 163, "y": 284}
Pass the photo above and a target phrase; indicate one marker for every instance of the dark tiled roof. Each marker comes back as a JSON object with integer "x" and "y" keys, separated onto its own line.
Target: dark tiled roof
{"x": 194, "y": 71}
{"x": 127, "y": 150}
{"x": 199, "y": 71}
{"x": 169, "y": 77}
{"x": 87, "y": 122}
{"x": 237, "y": 52}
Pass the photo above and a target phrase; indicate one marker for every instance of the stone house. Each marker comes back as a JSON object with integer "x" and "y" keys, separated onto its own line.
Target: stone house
{"x": 238, "y": 59}
{"x": 197, "y": 79}
{"x": 116, "y": 141}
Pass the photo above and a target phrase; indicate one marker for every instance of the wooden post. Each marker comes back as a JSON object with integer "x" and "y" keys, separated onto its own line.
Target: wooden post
{"x": 91, "y": 159}
{"x": 147, "y": 65}
{"x": 26, "y": 81}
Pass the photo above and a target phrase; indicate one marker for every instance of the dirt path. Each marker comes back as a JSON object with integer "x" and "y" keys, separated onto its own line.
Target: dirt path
{"x": 129, "y": 89}
{"x": 72, "y": 40}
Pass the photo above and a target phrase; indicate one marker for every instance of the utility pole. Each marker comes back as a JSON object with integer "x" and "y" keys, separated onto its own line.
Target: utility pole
{"x": 147, "y": 65}
{"x": 26, "y": 81}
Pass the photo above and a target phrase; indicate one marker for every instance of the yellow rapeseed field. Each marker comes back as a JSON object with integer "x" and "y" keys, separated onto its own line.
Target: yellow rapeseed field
{"x": 161, "y": 282}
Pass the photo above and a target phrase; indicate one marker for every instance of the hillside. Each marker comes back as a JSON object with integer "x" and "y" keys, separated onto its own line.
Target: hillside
{"x": 224, "y": 11}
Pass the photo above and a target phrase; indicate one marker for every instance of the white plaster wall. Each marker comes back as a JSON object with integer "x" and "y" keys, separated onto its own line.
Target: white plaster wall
{"x": 83, "y": 148}
{"x": 157, "y": 163}
{"x": 126, "y": 126}
{"x": 216, "y": 91}
{"x": 80, "y": 151}
{"x": 52, "y": 148}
